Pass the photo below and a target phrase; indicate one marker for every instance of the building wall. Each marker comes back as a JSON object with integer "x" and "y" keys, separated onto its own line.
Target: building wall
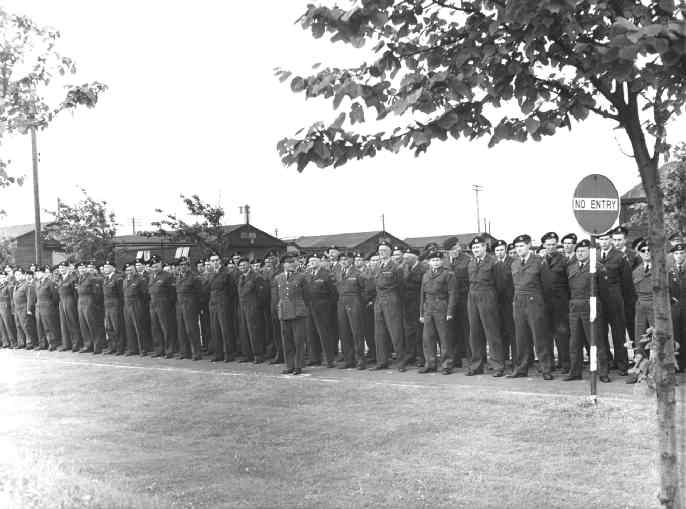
{"x": 24, "y": 252}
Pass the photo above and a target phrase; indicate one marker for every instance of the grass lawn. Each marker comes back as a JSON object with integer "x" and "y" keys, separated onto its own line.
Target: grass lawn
{"x": 87, "y": 431}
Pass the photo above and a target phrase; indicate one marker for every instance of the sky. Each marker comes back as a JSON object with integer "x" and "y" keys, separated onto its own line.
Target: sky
{"x": 193, "y": 107}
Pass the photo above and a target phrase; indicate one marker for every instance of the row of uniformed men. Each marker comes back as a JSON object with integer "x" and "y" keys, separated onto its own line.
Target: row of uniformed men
{"x": 508, "y": 305}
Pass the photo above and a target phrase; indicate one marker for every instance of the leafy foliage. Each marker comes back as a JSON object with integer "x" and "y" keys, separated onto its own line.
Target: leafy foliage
{"x": 206, "y": 231}
{"x": 5, "y": 250}
{"x": 85, "y": 229}
{"x": 452, "y": 65}
{"x": 30, "y": 64}
{"x": 644, "y": 364}
{"x": 673, "y": 184}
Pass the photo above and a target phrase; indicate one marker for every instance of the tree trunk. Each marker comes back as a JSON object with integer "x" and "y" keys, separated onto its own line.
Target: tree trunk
{"x": 663, "y": 343}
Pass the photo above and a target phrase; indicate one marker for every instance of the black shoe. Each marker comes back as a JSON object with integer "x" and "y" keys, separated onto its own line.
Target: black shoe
{"x": 419, "y": 364}
{"x": 297, "y": 371}
{"x": 155, "y": 355}
{"x": 85, "y": 350}
{"x": 402, "y": 368}
{"x": 564, "y": 371}
{"x": 314, "y": 363}
{"x": 198, "y": 357}
{"x": 547, "y": 376}
{"x": 129, "y": 354}
{"x": 473, "y": 372}
{"x": 379, "y": 367}
{"x": 258, "y": 360}
{"x": 119, "y": 353}
{"x": 518, "y": 375}
{"x": 446, "y": 371}
{"x": 169, "y": 356}
{"x": 569, "y": 378}
{"x": 63, "y": 349}
{"x": 143, "y": 354}
{"x": 346, "y": 366}
{"x": 361, "y": 366}
{"x": 426, "y": 369}
{"x": 331, "y": 364}
{"x": 276, "y": 361}
{"x": 287, "y": 371}
{"x": 605, "y": 379}
{"x": 52, "y": 348}
{"x": 498, "y": 374}
{"x": 632, "y": 379}
{"x": 216, "y": 360}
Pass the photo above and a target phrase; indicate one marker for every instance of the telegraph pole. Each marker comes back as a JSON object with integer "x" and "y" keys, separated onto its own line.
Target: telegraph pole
{"x": 383, "y": 223}
{"x": 36, "y": 197}
{"x": 477, "y": 188}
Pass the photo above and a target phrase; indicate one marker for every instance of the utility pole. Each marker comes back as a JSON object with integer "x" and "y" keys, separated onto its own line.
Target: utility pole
{"x": 477, "y": 188}
{"x": 36, "y": 196}
{"x": 133, "y": 226}
{"x": 383, "y": 223}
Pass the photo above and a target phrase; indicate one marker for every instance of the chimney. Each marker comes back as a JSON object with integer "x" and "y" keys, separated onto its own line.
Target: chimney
{"x": 245, "y": 209}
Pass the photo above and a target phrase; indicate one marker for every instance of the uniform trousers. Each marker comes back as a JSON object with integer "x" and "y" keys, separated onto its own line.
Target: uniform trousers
{"x": 293, "y": 337}
{"x": 437, "y": 331}
{"x": 135, "y": 324}
{"x": 580, "y": 335}
{"x": 531, "y": 328}
{"x": 114, "y": 327}
{"x": 351, "y": 329}
{"x": 187, "y": 327}
{"x": 388, "y": 323}
{"x": 484, "y": 329}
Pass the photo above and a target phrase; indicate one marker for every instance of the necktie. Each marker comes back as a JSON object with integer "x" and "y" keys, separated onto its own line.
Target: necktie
{"x": 647, "y": 268}
{"x": 523, "y": 261}
{"x": 603, "y": 256}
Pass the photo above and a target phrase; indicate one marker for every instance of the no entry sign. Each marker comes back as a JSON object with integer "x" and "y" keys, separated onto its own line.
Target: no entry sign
{"x": 596, "y": 204}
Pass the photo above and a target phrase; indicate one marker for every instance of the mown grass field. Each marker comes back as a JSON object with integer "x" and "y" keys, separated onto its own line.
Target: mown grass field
{"x": 95, "y": 431}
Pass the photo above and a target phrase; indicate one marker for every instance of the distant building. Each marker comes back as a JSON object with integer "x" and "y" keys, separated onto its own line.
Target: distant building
{"x": 242, "y": 238}
{"x": 23, "y": 246}
{"x": 363, "y": 242}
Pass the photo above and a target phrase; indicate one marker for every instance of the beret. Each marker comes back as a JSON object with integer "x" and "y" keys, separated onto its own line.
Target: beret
{"x": 384, "y": 243}
{"x": 510, "y": 247}
{"x": 674, "y": 236}
{"x": 620, "y": 230}
{"x": 434, "y": 254}
{"x": 636, "y": 241}
{"x": 477, "y": 240}
{"x": 412, "y": 251}
{"x": 571, "y": 236}
{"x": 500, "y": 243}
{"x": 549, "y": 235}
{"x": 641, "y": 244}
{"x": 582, "y": 243}
{"x": 526, "y": 239}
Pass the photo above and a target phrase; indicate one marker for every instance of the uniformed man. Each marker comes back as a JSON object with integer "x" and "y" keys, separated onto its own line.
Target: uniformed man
{"x": 113, "y": 300}
{"x": 612, "y": 269}
{"x": 677, "y": 290}
{"x": 162, "y": 309}
{"x": 579, "y": 281}
{"x": 203, "y": 305}
{"x": 364, "y": 267}
{"x": 86, "y": 291}
{"x": 47, "y": 312}
{"x": 223, "y": 302}
{"x": 569, "y": 242}
{"x": 437, "y": 302}
{"x": 556, "y": 295}
{"x": 69, "y": 315}
{"x": 320, "y": 332}
{"x": 643, "y": 286}
{"x": 529, "y": 311}
{"x": 397, "y": 255}
{"x": 135, "y": 291}
{"x": 619, "y": 235}
{"x": 503, "y": 271}
{"x": 251, "y": 330}
{"x": 388, "y": 283}
{"x": 188, "y": 295}
{"x": 482, "y": 306}
{"x": 7, "y": 327}
{"x": 511, "y": 251}
{"x": 274, "y": 345}
{"x": 351, "y": 288}
{"x": 459, "y": 327}
{"x": 23, "y": 306}
{"x": 413, "y": 273}
{"x": 291, "y": 293}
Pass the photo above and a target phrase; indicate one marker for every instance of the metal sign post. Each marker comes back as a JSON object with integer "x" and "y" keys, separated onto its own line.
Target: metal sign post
{"x": 596, "y": 208}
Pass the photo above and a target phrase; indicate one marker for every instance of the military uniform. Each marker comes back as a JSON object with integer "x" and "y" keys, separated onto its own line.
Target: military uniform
{"x": 291, "y": 293}
{"x": 633, "y": 260}
{"x": 677, "y": 290}
{"x": 388, "y": 314}
{"x": 162, "y": 315}
{"x": 24, "y": 306}
{"x": 135, "y": 289}
{"x": 579, "y": 282}
{"x": 47, "y": 314}
{"x": 89, "y": 289}
{"x": 250, "y": 316}
{"x": 643, "y": 284}
{"x": 556, "y": 295}
{"x": 320, "y": 330}
{"x": 412, "y": 284}
{"x": 531, "y": 326}
{"x": 113, "y": 299}
{"x": 223, "y": 302}
{"x": 505, "y": 296}
{"x": 459, "y": 328}
{"x": 612, "y": 269}
{"x": 484, "y": 319}
{"x": 7, "y": 326}
{"x": 204, "y": 312}
{"x": 351, "y": 289}
{"x": 69, "y": 314}
{"x": 189, "y": 289}
{"x": 437, "y": 300}
{"x": 368, "y": 313}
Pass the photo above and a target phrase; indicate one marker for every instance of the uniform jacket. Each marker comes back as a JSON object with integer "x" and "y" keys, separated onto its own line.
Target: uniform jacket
{"x": 643, "y": 283}
{"x": 113, "y": 290}
{"x": 189, "y": 288}
{"x": 614, "y": 273}
{"x": 24, "y": 299}
{"x": 222, "y": 287}
{"x": 249, "y": 288}
{"x": 135, "y": 289}
{"x": 459, "y": 266}
{"x": 554, "y": 275}
{"x": 438, "y": 292}
{"x": 482, "y": 275}
{"x": 67, "y": 287}
{"x": 161, "y": 288}
{"x": 46, "y": 292}
{"x": 322, "y": 286}
{"x": 292, "y": 295}
{"x": 6, "y": 291}
{"x": 579, "y": 281}
{"x": 351, "y": 282}
{"x": 412, "y": 283}
{"x": 528, "y": 278}
{"x": 505, "y": 285}
{"x": 388, "y": 279}
{"x": 677, "y": 284}
{"x": 88, "y": 286}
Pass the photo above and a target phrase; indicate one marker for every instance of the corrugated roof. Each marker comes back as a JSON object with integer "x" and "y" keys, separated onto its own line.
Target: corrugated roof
{"x": 638, "y": 193}
{"x": 12, "y": 232}
{"x": 349, "y": 240}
